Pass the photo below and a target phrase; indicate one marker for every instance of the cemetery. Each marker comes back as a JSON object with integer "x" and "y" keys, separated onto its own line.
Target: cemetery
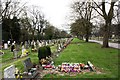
{"x": 56, "y": 61}
{"x": 59, "y": 39}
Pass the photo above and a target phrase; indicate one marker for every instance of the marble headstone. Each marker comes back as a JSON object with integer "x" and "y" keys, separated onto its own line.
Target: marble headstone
{"x": 9, "y": 72}
{"x": 5, "y": 46}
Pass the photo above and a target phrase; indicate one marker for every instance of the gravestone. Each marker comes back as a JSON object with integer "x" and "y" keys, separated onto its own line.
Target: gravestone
{"x": 5, "y": 46}
{"x": 26, "y": 45}
{"x": 15, "y": 52}
{"x": 29, "y": 43}
{"x": 32, "y": 44}
{"x": 28, "y": 64}
{"x": 9, "y": 72}
{"x": 35, "y": 45}
{"x": 46, "y": 43}
{"x": 14, "y": 42}
{"x": 17, "y": 47}
{"x": 8, "y": 43}
{"x": 43, "y": 43}
{"x": 40, "y": 44}
{"x": 12, "y": 47}
{"x": 32, "y": 72}
{"x": 24, "y": 52}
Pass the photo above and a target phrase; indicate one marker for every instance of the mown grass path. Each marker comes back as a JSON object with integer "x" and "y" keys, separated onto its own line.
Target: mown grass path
{"x": 106, "y": 59}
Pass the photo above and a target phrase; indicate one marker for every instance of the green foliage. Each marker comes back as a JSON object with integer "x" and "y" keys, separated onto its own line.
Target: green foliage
{"x": 11, "y": 28}
{"x": 81, "y": 27}
{"x": 43, "y": 52}
{"x": 49, "y": 32}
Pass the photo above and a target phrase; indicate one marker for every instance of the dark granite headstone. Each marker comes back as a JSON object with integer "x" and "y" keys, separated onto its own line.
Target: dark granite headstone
{"x": 28, "y": 64}
{"x": 12, "y": 48}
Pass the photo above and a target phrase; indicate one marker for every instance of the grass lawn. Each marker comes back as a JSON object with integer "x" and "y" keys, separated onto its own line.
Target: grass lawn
{"x": 79, "y": 51}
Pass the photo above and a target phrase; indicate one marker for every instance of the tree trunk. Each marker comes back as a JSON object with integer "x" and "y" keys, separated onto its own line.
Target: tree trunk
{"x": 87, "y": 34}
{"x": 106, "y": 34}
{"x": 105, "y": 39}
{"x": 87, "y": 38}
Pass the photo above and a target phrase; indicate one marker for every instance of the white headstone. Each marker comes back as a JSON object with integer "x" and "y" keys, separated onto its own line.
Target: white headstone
{"x": 9, "y": 72}
{"x": 40, "y": 44}
{"x": 5, "y": 46}
{"x": 8, "y": 42}
{"x": 46, "y": 43}
{"x": 14, "y": 42}
{"x": 23, "y": 52}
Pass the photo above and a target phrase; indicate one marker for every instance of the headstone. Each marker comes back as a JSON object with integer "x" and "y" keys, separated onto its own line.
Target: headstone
{"x": 32, "y": 72}
{"x": 32, "y": 44}
{"x": 14, "y": 42}
{"x": 29, "y": 42}
{"x": 15, "y": 52}
{"x": 46, "y": 43}
{"x": 24, "y": 52}
{"x": 37, "y": 43}
{"x": 43, "y": 43}
{"x": 12, "y": 47}
{"x": 5, "y": 46}
{"x": 26, "y": 45}
{"x": 40, "y": 44}
{"x": 9, "y": 72}
{"x": 8, "y": 43}
{"x": 28, "y": 64}
{"x": 17, "y": 47}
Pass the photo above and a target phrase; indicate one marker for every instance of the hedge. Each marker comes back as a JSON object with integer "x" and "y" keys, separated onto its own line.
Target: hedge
{"x": 44, "y": 52}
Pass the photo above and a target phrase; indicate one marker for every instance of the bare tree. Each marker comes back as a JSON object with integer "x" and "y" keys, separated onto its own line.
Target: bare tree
{"x": 11, "y": 8}
{"x": 84, "y": 12}
{"x": 107, "y": 17}
{"x": 37, "y": 20}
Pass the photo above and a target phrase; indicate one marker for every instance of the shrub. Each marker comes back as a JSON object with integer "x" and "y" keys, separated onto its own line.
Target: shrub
{"x": 44, "y": 52}
{"x": 48, "y": 51}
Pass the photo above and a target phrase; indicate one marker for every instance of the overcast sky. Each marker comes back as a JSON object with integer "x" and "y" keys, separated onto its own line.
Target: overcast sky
{"x": 55, "y": 11}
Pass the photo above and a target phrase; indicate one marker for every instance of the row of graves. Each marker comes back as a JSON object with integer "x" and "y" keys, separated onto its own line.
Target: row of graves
{"x": 33, "y": 71}
{"x": 45, "y": 60}
{"x": 34, "y": 45}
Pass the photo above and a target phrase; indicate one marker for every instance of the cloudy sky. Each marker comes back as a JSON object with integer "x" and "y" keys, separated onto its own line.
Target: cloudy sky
{"x": 56, "y": 11}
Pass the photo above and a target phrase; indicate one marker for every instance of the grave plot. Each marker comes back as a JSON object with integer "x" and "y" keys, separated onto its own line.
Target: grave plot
{"x": 31, "y": 70}
{"x": 71, "y": 69}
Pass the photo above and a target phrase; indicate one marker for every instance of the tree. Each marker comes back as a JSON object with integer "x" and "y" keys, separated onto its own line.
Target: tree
{"x": 49, "y": 32}
{"x": 80, "y": 29}
{"x": 11, "y": 8}
{"x": 11, "y": 29}
{"x": 37, "y": 21}
{"x": 10, "y": 23}
{"x": 107, "y": 17}
{"x": 84, "y": 12}
{"x": 64, "y": 34}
